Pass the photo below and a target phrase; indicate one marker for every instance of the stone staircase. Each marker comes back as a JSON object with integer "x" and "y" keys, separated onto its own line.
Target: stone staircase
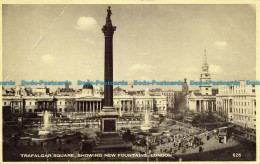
{"x": 111, "y": 142}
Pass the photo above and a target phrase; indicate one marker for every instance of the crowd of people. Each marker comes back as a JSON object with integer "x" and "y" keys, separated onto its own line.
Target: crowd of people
{"x": 178, "y": 140}
{"x": 173, "y": 143}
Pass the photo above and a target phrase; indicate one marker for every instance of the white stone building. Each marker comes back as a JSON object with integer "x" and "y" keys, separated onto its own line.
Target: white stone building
{"x": 238, "y": 104}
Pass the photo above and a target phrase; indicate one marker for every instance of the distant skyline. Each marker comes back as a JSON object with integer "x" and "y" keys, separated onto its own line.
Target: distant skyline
{"x": 152, "y": 42}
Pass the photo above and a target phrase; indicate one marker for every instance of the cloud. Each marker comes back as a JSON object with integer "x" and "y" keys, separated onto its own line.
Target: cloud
{"x": 86, "y": 24}
{"x": 47, "y": 58}
{"x": 221, "y": 44}
{"x": 215, "y": 69}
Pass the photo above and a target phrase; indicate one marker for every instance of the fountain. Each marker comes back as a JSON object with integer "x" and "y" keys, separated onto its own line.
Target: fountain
{"x": 146, "y": 118}
{"x": 49, "y": 130}
{"x": 146, "y": 126}
{"x": 45, "y": 130}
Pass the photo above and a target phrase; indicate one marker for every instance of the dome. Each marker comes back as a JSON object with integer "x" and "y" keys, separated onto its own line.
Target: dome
{"x": 87, "y": 86}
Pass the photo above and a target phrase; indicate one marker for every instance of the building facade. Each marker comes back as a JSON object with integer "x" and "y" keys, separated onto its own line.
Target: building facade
{"x": 88, "y": 101}
{"x": 205, "y": 99}
{"x": 237, "y": 104}
{"x": 168, "y": 93}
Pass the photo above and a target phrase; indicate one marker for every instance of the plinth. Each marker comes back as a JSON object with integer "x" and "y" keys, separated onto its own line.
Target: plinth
{"x": 108, "y": 117}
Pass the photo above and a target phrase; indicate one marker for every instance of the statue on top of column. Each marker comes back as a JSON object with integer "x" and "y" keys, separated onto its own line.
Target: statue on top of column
{"x": 109, "y": 12}
{"x": 108, "y": 29}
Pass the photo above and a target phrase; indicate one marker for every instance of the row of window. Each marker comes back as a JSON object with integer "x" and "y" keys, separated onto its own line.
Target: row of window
{"x": 246, "y": 118}
{"x": 168, "y": 94}
{"x": 170, "y": 98}
{"x": 236, "y": 91}
{"x": 138, "y": 102}
{"x": 250, "y": 111}
{"x": 237, "y": 103}
{"x": 65, "y": 109}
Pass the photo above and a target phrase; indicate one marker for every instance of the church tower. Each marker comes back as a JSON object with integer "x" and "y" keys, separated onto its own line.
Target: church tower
{"x": 205, "y": 77}
{"x": 185, "y": 87}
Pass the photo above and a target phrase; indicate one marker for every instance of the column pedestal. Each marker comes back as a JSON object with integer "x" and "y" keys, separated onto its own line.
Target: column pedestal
{"x": 108, "y": 117}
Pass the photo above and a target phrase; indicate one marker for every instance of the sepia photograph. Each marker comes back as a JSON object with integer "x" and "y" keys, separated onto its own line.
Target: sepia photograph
{"x": 129, "y": 82}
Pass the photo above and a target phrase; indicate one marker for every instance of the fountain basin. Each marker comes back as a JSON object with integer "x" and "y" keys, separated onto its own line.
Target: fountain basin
{"x": 43, "y": 138}
{"x": 43, "y": 132}
{"x": 145, "y": 127}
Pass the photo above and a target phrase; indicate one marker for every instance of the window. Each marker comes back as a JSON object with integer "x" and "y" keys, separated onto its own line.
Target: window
{"x": 4, "y": 103}
{"x": 35, "y": 103}
{"x": 30, "y": 103}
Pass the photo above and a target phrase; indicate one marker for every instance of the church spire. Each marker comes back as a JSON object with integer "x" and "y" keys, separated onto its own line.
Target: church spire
{"x": 205, "y": 58}
{"x": 205, "y": 67}
{"x": 205, "y": 76}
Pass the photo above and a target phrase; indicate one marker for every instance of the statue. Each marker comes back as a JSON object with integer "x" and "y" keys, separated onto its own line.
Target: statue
{"x": 108, "y": 27}
{"x": 109, "y": 13}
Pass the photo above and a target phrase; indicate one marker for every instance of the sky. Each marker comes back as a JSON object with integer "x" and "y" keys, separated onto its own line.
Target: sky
{"x": 151, "y": 42}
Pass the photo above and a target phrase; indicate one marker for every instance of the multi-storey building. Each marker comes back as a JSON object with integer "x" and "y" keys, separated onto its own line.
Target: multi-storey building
{"x": 237, "y": 103}
{"x": 87, "y": 101}
{"x": 169, "y": 95}
{"x": 170, "y": 98}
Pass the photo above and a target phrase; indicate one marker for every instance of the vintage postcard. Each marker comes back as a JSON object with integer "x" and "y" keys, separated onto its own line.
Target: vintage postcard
{"x": 129, "y": 82}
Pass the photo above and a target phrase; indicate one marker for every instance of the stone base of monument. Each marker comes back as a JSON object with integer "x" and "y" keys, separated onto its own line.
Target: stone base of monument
{"x": 108, "y": 117}
{"x": 109, "y": 140}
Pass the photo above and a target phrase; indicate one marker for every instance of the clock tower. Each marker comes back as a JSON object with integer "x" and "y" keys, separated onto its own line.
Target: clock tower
{"x": 205, "y": 77}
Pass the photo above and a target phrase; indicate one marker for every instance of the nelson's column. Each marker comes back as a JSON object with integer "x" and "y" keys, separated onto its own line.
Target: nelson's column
{"x": 108, "y": 114}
